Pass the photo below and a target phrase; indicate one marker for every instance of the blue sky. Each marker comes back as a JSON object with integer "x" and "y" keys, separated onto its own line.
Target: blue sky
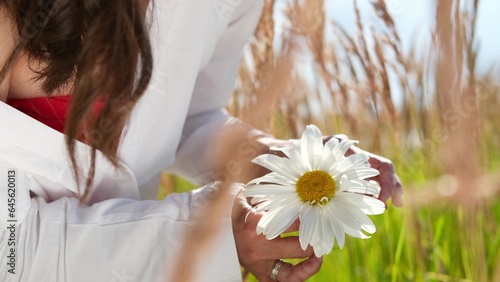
{"x": 415, "y": 18}
{"x": 414, "y": 21}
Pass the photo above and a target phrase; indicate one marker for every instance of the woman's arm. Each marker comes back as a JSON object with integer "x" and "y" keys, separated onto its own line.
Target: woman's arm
{"x": 110, "y": 241}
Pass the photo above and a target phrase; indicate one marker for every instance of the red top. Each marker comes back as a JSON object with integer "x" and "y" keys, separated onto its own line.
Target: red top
{"x": 51, "y": 111}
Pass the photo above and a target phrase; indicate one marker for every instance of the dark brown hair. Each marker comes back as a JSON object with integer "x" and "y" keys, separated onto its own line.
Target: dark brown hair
{"x": 100, "y": 47}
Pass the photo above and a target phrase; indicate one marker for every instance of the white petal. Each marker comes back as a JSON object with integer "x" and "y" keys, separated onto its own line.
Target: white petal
{"x": 266, "y": 189}
{"x": 344, "y": 184}
{"x": 342, "y": 147}
{"x": 268, "y": 218}
{"x": 319, "y": 240}
{"x": 328, "y": 236}
{"x": 355, "y": 160}
{"x": 360, "y": 186}
{"x": 328, "y": 159}
{"x": 361, "y": 173}
{"x": 281, "y": 220}
{"x": 330, "y": 145}
{"x": 273, "y": 177}
{"x": 355, "y": 214}
{"x": 357, "y": 233}
{"x": 296, "y": 166}
{"x": 318, "y": 227}
{"x": 322, "y": 241}
{"x": 320, "y": 250}
{"x": 345, "y": 217}
{"x": 296, "y": 162}
{"x": 263, "y": 204}
{"x": 372, "y": 186}
{"x": 337, "y": 227}
{"x": 316, "y": 240}
{"x": 276, "y": 164}
{"x": 367, "y": 204}
{"x": 312, "y": 146}
{"x": 277, "y": 202}
{"x": 293, "y": 144}
{"x": 307, "y": 226}
{"x": 350, "y": 215}
{"x": 260, "y": 200}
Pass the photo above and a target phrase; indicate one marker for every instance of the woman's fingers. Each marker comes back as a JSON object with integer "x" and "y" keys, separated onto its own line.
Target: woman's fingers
{"x": 259, "y": 255}
{"x": 277, "y": 248}
{"x": 389, "y": 182}
{"x": 397, "y": 193}
{"x": 288, "y": 247}
{"x": 300, "y": 272}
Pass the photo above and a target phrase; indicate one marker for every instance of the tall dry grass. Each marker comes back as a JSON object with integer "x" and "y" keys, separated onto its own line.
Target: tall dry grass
{"x": 443, "y": 139}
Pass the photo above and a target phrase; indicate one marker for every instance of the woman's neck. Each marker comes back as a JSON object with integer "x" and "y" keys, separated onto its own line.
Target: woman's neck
{"x": 24, "y": 83}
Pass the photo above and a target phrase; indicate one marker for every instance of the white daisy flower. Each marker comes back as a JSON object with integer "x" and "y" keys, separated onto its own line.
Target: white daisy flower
{"x": 319, "y": 185}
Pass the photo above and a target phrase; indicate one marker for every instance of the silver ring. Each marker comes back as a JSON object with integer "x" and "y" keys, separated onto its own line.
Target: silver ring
{"x": 276, "y": 269}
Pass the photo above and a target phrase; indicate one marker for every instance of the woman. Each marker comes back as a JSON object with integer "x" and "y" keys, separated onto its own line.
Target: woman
{"x": 77, "y": 217}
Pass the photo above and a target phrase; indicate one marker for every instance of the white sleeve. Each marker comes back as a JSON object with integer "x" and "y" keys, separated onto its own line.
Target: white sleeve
{"x": 114, "y": 240}
{"x": 213, "y": 89}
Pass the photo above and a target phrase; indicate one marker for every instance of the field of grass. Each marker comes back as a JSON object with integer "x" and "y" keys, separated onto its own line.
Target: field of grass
{"x": 444, "y": 139}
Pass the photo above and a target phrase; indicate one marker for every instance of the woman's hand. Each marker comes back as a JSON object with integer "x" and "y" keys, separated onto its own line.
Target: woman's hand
{"x": 259, "y": 255}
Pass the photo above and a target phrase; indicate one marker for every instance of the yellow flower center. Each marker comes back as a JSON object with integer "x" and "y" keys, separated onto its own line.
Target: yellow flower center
{"x": 316, "y": 187}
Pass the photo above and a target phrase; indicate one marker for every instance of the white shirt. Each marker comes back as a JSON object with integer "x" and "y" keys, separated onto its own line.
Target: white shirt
{"x": 122, "y": 234}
